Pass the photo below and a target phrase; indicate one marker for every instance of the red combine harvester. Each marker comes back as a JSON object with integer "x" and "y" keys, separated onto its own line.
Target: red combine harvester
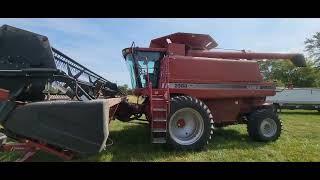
{"x": 187, "y": 88}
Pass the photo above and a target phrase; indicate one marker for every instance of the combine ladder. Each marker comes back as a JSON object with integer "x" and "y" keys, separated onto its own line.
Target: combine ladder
{"x": 159, "y": 109}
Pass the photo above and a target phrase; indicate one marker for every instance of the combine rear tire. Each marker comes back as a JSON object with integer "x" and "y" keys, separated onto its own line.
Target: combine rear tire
{"x": 190, "y": 123}
{"x": 264, "y": 125}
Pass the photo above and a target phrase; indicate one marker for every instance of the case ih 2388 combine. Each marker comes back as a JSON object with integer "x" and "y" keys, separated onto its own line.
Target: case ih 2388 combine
{"x": 188, "y": 89}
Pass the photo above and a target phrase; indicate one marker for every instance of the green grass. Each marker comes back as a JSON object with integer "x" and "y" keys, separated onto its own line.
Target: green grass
{"x": 300, "y": 141}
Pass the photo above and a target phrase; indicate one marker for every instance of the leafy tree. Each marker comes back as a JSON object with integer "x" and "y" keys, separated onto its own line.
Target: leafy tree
{"x": 266, "y": 69}
{"x": 284, "y": 73}
{"x": 312, "y": 46}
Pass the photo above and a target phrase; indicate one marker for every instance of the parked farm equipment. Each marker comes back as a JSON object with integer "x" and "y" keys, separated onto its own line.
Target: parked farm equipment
{"x": 296, "y": 98}
{"x": 187, "y": 90}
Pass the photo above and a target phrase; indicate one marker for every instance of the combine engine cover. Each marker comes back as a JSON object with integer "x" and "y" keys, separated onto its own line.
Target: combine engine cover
{"x": 29, "y": 69}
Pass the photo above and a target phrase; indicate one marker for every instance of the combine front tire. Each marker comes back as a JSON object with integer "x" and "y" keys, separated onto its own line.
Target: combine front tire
{"x": 264, "y": 125}
{"x": 190, "y": 123}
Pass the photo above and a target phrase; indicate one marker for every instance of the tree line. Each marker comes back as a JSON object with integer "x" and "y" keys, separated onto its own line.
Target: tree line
{"x": 284, "y": 73}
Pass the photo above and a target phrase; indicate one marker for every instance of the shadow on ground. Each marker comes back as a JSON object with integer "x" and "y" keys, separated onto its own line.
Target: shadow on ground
{"x": 133, "y": 144}
{"x": 232, "y": 139}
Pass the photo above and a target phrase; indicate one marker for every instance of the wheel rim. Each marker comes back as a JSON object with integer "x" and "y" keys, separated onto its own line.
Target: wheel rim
{"x": 186, "y": 126}
{"x": 268, "y": 127}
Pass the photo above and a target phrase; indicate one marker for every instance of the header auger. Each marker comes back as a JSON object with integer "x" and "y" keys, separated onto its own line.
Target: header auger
{"x": 188, "y": 88}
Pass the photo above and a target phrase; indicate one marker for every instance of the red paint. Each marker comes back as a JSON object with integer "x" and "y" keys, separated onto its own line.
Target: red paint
{"x": 209, "y": 70}
{"x": 29, "y": 148}
{"x": 181, "y": 123}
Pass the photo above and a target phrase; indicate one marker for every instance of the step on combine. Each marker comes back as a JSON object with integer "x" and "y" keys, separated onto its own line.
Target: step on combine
{"x": 50, "y": 102}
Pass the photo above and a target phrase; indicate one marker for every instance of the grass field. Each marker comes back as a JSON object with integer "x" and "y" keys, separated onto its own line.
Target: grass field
{"x": 300, "y": 141}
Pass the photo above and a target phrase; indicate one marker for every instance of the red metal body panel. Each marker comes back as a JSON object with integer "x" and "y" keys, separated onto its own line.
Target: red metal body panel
{"x": 224, "y": 110}
{"x": 228, "y": 111}
{"x": 209, "y": 70}
{"x": 222, "y": 93}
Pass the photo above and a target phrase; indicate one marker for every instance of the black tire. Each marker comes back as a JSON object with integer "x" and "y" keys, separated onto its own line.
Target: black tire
{"x": 181, "y": 102}
{"x": 255, "y": 121}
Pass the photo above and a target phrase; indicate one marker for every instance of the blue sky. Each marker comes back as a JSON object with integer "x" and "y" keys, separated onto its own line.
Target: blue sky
{"x": 97, "y": 43}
